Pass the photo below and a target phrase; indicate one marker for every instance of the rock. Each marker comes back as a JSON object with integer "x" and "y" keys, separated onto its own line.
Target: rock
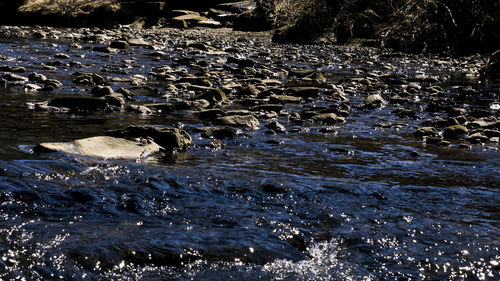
{"x": 478, "y": 138}
{"x": 247, "y": 121}
{"x": 268, "y": 107}
{"x": 14, "y": 77}
{"x": 36, "y": 77}
{"x": 88, "y": 79}
{"x": 101, "y": 91}
{"x": 455, "y": 131}
{"x": 211, "y": 114}
{"x": 61, "y": 56}
{"x": 209, "y": 23}
{"x": 8, "y": 68}
{"x": 241, "y": 62}
{"x": 79, "y": 103}
{"x": 276, "y": 126}
{"x": 284, "y": 99}
{"x": 103, "y": 147}
{"x": 426, "y": 132}
{"x": 135, "y": 42}
{"x": 374, "y": 101}
{"x": 327, "y": 118}
{"x": 188, "y": 20}
{"x": 217, "y": 132}
{"x": 214, "y": 96}
{"x": 140, "y": 109}
{"x": 119, "y": 44}
{"x": 305, "y": 92}
{"x": 171, "y": 139}
{"x": 104, "y": 49}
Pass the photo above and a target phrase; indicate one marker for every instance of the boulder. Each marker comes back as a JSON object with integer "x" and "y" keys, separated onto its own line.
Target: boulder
{"x": 171, "y": 139}
{"x": 103, "y": 147}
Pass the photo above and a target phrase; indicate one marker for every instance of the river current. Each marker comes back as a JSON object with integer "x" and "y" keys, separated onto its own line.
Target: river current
{"x": 354, "y": 204}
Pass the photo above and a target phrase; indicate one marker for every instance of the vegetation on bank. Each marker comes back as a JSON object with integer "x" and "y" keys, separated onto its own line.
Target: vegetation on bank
{"x": 448, "y": 26}
{"x": 67, "y": 7}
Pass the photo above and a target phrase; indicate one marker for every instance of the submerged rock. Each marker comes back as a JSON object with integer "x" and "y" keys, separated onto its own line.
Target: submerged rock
{"x": 103, "y": 147}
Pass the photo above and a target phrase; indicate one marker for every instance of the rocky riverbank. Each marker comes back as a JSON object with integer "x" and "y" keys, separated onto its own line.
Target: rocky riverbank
{"x": 234, "y": 82}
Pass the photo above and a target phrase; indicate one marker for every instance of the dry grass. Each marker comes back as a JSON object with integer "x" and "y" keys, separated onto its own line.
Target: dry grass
{"x": 66, "y": 7}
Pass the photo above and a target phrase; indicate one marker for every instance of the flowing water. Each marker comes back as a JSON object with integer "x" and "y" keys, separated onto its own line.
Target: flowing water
{"x": 305, "y": 205}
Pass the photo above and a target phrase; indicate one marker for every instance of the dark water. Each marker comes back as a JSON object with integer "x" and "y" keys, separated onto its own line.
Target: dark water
{"x": 354, "y": 205}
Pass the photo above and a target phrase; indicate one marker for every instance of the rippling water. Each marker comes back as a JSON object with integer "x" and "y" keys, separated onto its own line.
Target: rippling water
{"x": 354, "y": 205}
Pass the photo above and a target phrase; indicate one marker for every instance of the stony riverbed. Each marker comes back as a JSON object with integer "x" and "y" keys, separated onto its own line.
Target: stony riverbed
{"x": 273, "y": 162}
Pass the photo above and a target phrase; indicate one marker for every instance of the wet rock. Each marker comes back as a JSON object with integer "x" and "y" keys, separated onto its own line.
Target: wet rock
{"x": 374, "y": 101}
{"x": 478, "y": 138}
{"x": 50, "y": 84}
{"x": 140, "y": 109}
{"x": 284, "y": 99}
{"x": 79, "y": 103}
{"x": 305, "y": 92}
{"x": 16, "y": 69}
{"x": 103, "y": 147}
{"x": 135, "y": 42}
{"x": 276, "y": 127}
{"x": 32, "y": 87}
{"x": 36, "y": 77}
{"x": 241, "y": 62}
{"x": 119, "y": 44}
{"x": 455, "y": 131}
{"x": 14, "y": 77}
{"x": 433, "y": 140}
{"x": 327, "y": 118}
{"x": 127, "y": 94}
{"x": 186, "y": 21}
{"x": 171, "y": 139}
{"x": 480, "y": 113}
{"x": 247, "y": 121}
{"x": 101, "y": 91}
{"x": 214, "y": 96}
{"x": 211, "y": 114}
{"x": 88, "y": 79}
{"x": 248, "y": 91}
{"x": 455, "y": 112}
{"x": 426, "y": 132}
{"x": 61, "y": 56}
{"x": 328, "y": 130}
{"x": 104, "y": 49}
{"x": 268, "y": 107}
{"x": 217, "y": 132}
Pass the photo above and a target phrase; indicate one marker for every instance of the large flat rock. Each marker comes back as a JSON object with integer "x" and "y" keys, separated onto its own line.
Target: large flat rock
{"x": 103, "y": 147}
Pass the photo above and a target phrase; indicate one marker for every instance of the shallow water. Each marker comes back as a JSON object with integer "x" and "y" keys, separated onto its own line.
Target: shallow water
{"x": 354, "y": 205}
